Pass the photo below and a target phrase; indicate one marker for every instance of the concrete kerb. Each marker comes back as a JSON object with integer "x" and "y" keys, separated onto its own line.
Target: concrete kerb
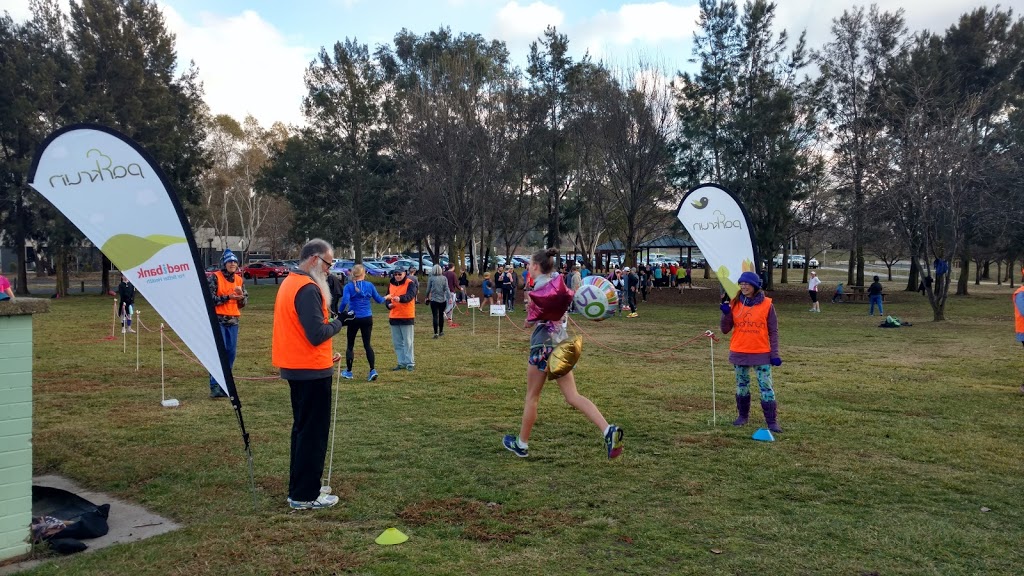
{"x": 127, "y": 522}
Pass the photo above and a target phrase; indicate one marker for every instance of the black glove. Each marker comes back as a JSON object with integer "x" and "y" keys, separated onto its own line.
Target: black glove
{"x": 346, "y": 317}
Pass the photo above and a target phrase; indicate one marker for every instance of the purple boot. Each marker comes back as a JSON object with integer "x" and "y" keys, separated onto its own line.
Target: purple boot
{"x": 743, "y": 407}
{"x": 770, "y": 409}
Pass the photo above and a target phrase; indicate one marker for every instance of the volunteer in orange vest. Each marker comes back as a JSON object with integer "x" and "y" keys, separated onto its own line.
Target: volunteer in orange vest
{"x": 301, "y": 349}
{"x": 229, "y": 297}
{"x": 1018, "y": 316}
{"x": 755, "y": 344}
{"x": 401, "y": 300}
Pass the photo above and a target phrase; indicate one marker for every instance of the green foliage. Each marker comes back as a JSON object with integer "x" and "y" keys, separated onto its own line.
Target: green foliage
{"x": 746, "y": 121}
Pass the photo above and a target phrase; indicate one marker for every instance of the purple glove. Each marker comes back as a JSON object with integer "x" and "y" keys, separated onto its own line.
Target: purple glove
{"x": 776, "y": 361}
{"x": 725, "y": 308}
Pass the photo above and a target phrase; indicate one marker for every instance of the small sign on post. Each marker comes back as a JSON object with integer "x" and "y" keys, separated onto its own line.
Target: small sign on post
{"x": 497, "y": 309}
{"x": 473, "y": 304}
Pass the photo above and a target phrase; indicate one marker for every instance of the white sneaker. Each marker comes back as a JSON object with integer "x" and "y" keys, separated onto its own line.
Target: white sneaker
{"x": 131, "y": 330}
{"x": 322, "y": 501}
{"x": 124, "y": 330}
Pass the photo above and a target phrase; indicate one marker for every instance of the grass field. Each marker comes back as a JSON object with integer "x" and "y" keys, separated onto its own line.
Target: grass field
{"x": 894, "y": 441}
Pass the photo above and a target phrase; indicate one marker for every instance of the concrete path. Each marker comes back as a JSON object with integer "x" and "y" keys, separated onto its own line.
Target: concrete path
{"x": 127, "y": 522}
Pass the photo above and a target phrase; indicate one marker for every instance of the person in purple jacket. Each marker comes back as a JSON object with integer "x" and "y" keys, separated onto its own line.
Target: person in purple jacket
{"x": 750, "y": 316}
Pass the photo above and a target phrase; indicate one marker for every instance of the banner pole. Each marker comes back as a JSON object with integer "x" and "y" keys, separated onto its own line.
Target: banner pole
{"x": 138, "y": 335}
{"x": 124, "y": 330}
{"x": 113, "y": 320}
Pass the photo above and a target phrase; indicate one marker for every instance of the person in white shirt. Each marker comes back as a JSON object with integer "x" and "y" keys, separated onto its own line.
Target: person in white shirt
{"x": 812, "y": 290}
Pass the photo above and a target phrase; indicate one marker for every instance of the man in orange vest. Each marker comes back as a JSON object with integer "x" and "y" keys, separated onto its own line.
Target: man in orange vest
{"x": 401, "y": 300}
{"x": 1018, "y": 316}
{"x": 301, "y": 349}
{"x": 229, "y": 297}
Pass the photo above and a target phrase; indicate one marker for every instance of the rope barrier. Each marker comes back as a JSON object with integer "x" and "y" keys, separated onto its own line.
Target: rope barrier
{"x": 705, "y": 334}
{"x": 200, "y": 364}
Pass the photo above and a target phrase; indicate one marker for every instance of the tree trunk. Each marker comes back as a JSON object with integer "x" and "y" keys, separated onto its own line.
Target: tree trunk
{"x": 914, "y": 276}
{"x": 22, "y": 280}
{"x": 850, "y": 270}
{"x": 965, "y": 266}
{"x": 889, "y": 267}
{"x": 985, "y": 271}
{"x": 785, "y": 265}
{"x": 105, "y": 276}
{"x": 999, "y": 272}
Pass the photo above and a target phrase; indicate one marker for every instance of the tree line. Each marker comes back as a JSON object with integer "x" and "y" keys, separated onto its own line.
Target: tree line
{"x": 882, "y": 141}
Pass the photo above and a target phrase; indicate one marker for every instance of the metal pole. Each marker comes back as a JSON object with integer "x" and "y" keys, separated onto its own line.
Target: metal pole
{"x": 161, "y": 362}
{"x": 714, "y": 414}
{"x": 138, "y": 335}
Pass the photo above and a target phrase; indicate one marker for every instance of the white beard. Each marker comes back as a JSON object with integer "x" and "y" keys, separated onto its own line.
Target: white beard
{"x": 320, "y": 278}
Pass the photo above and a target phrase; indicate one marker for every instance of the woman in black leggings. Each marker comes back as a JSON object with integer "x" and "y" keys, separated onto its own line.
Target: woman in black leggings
{"x": 438, "y": 294}
{"x": 356, "y": 297}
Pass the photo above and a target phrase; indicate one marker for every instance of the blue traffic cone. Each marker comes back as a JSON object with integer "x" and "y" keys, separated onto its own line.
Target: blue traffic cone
{"x": 764, "y": 435}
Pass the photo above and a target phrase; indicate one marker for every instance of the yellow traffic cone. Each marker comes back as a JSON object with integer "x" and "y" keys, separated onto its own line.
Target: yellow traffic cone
{"x": 391, "y": 536}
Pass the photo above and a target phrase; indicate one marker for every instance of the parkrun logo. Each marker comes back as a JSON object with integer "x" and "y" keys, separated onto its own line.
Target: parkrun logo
{"x": 720, "y": 223}
{"x": 162, "y": 270}
{"x": 105, "y": 170}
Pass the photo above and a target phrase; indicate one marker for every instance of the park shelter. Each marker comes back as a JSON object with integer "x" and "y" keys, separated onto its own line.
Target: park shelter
{"x": 666, "y": 243}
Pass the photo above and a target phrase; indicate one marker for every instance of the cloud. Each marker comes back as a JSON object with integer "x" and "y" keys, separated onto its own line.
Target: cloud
{"x": 647, "y": 23}
{"x": 518, "y": 23}
{"x": 246, "y": 65}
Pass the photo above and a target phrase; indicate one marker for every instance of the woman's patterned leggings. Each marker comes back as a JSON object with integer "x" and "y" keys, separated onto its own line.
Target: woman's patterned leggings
{"x": 764, "y": 381}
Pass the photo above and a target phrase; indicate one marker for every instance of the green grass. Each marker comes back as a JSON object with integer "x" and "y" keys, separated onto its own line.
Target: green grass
{"x": 895, "y": 440}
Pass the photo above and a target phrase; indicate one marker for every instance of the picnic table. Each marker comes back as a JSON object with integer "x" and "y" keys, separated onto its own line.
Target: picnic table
{"x": 857, "y": 294}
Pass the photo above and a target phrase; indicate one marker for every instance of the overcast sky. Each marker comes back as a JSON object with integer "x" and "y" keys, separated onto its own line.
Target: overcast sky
{"x": 251, "y": 54}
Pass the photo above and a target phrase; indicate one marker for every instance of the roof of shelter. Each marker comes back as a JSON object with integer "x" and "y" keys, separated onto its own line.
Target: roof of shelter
{"x": 668, "y": 242}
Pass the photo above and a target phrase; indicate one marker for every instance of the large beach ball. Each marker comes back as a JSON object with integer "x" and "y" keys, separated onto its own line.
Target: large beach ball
{"x": 597, "y": 298}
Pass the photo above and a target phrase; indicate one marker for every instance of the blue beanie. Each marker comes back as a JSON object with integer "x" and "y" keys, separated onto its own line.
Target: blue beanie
{"x": 750, "y": 278}
{"x": 228, "y": 256}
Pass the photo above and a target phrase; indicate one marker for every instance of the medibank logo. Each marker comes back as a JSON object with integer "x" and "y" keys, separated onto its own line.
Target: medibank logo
{"x": 105, "y": 170}
{"x": 162, "y": 270}
{"x": 720, "y": 223}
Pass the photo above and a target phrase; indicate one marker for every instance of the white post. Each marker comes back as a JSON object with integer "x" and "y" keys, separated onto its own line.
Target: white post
{"x": 714, "y": 414}
{"x": 113, "y": 321}
{"x": 161, "y": 362}
{"x": 474, "y": 321}
{"x": 138, "y": 335}
{"x": 500, "y": 318}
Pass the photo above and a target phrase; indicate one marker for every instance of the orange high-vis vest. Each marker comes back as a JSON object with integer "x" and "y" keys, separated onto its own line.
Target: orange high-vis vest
{"x": 1018, "y": 320}
{"x": 750, "y": 328}
{"x": 289, "y": 347}
{"x": 224, "y": 287}
{"x": 401, "y": 310}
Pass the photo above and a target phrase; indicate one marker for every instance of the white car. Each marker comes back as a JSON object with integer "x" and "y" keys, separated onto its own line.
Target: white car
{"x": 812, "y": 263}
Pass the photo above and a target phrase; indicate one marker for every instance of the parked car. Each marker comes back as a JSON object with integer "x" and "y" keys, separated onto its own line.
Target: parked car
{"x": 390, "y": 258}
{"x": 812, "y": 263}
{"x": 342, "y": 267}
{"x": 406, "y": 264}
{"x": 377, "y": 267}
{"x": 263, "y": 270}
{"x": 797, "y": 261}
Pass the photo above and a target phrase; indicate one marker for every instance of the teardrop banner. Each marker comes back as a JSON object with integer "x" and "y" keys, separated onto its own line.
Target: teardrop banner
{"x": 116, "y": 194}
{"x": 720, "y": 225}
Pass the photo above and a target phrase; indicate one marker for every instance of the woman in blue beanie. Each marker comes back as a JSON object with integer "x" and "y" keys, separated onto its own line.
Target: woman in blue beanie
{"x": 755, "y": 343}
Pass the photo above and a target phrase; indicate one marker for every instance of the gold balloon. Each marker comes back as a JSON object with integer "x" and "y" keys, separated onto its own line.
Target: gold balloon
{"x": 564, "y": 356}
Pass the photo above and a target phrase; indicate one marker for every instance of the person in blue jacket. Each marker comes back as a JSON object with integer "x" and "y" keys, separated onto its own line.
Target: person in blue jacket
{"x": 356, "y": 298}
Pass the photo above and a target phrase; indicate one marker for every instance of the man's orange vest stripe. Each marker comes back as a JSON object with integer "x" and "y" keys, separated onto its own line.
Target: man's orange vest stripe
{"x": 289, "y": 347}
{"x": 750, "y": 328}
{"x": 1018, "y": 320}
{"x": 224, "y": 287}
{"x": 401, "y": 310}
